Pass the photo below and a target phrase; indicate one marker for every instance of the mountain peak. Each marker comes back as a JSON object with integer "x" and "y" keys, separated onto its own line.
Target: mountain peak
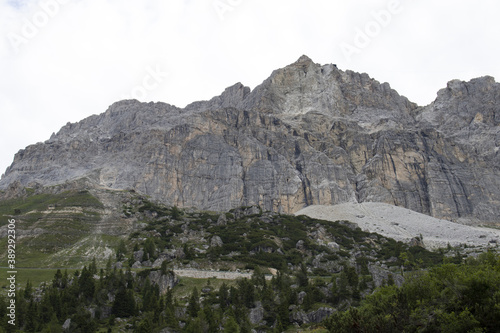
{"x": 309, "y": 134}
{"x": 304, "y": 59}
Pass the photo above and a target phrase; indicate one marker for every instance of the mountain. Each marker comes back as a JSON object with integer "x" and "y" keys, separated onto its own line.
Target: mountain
{"x": 310, "y": 134}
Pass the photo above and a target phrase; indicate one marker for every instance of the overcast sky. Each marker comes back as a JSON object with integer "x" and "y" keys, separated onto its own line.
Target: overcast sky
{"x": 64, "y": 60}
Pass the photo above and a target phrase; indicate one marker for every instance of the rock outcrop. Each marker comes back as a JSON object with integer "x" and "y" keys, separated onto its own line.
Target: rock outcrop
{"x": 309, "y": 134}
{"x": 164, "y": 281}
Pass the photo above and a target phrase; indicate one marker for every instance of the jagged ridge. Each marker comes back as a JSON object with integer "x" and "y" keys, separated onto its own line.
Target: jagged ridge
{"x": 309, "y": 134}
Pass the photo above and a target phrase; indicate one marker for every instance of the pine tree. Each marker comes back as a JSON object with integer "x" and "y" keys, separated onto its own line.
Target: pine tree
{"x": 193, "y": 326}
{"x": 194, "y": 303}
{"x": 247, "y": 292}
{"x": 53, "y": 326}
{"x": 146, "y": 324}
{"x": 308, "y": 302}
{"x": 93, "y": 267}
{"x": 234, "y": 296}
{"x": 210, "y": 318}
{"x": 231, "y": 325}
{"x": 149, "y": 249}
{"x": 352, "y": 276}
{"x": 109, "y": 265}
{"x": 83, "y": 321}
{"x": 45, "y": 309}
{"x": 129, "y": 279}
{"x": 28, "y": 291}
{"x": 176, "y": 213}
{"x": 188, "y": 252}
{"x": 64, "y": 280}
{"x": 169, "y": 299}
{"x": 124, "y": 304}
{"x": 164, "y": 267}
{"x": 171, "y": 320}
{"x": 121, "y": 250}
{"x": 111, "y": 322}
{"x": 342, "y": 291}
{"x": 31, "y": 317}
{"x": 56, "y": 282}
{"x": 283, "y": 312}
{"x": 223, "y": 296}
{"x": 302, "y": 276}
{"x": 86, "y": 284}
{"x": 278, "y": 328}
{"x": 258, "y": 277}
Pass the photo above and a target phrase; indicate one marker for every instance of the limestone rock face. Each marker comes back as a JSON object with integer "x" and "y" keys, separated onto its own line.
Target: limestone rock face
{"x": 309, "y": 134}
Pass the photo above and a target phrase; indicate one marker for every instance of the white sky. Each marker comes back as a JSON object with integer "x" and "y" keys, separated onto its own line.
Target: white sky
{"x": 64, "y": 60}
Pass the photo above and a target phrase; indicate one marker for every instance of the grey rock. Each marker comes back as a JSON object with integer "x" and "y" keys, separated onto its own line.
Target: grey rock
{"x": 157, "y": 263}
{"x": 301, "y": 297}
{"x": 241, "y": 212}
{"x": 298, "y": 316}
{"x": 380, "y": 275}
{"x": 256, "y": 314}
{"x": 67, "y": 324}
{"x": 164, "y": 281}
{"x": 222, "y": 220}
{"x": 334, "y": 246}
{"x": 167, "y": 330}
{"x": 105, "y": 311}
{"x": 216, "y": 241}
{"x": 266, "y": 219}
{"x": 14, "y": 190}
{"x": 138, "y": 255}
{"x": 309, "y": 134}
{"x": 416, "y": 241}
{"x": 319, "y": 315}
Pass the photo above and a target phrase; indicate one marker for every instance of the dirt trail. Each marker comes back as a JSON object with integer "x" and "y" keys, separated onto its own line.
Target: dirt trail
{"x": 205, "y": 274}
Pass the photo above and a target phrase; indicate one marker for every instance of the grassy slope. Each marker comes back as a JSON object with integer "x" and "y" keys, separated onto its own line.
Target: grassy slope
{"x": 60, "y": 221}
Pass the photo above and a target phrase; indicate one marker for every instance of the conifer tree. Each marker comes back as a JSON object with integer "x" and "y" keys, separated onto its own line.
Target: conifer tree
{"x": 86, "y": 284}
{"x": 56, "y": 281}
{"x": 278, "y": 328}
{"x": 53, "y": 326}
{"x": 170, "y": 319}
{"x": 223, "y": 296}
{"x": 93, "y": 267}
{"x": 28, "y": 291}
{"x": 194, "y": 303}
{"x": 64, "y": 280}
{"x": 302, "y": 276}
{"x": 45, "y": 309}
{"x": 231, "y": 326}
{"x": 146, "y": 325}
{"x": 149, "y": 249}
{"x": 31, "y": 317}
{"x": 121, "y": 250}
{"x": 124, "y": 304}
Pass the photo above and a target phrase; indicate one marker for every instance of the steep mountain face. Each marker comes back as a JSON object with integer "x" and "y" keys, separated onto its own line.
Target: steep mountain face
{"x": 309, "y": 134}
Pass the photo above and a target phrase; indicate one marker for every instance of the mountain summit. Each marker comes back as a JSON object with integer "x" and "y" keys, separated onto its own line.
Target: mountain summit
{"x": 309, "y": 134}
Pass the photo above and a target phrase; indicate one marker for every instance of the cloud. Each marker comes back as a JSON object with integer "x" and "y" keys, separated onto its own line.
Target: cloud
{"x": 74, "y": 58}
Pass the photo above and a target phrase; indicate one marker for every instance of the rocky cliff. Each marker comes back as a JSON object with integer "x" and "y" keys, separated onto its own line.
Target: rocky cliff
{"x": 309, "y": 134}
